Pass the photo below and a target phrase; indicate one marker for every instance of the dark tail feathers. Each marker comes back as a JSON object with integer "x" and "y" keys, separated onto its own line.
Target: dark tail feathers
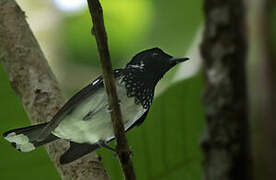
{"x": 24, "y": 139}
{"x": 76, "y": 151}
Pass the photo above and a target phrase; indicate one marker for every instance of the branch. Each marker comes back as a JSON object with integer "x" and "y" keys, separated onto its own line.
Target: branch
{"x": 224, "y": 48}
{"x": 101, "y": 37}
{"x": 262, "y": 86}
{"x": 33, "y": 81}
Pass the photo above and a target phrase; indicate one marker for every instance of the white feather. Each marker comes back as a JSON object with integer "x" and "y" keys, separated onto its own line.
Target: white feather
{"x": 99, "y": 127}
{"x": 21, "y": 141}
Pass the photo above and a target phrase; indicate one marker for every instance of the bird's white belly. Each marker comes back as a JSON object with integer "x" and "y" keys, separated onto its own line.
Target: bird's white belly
{"x": 99, "y": 126}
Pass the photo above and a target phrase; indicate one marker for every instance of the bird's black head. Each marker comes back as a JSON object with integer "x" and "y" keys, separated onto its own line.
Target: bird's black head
{"x": 153, "y": 64}
{"x": 144, "y": 71}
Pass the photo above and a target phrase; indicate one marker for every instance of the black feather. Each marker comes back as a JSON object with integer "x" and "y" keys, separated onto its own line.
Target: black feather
{"x": 76, "y": 151}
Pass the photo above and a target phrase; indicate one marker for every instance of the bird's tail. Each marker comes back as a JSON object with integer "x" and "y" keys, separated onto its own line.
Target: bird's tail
{"x": 24, "y": 139}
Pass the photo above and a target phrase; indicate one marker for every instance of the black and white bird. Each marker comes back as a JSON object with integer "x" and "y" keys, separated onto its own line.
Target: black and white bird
{"x": 85, "y": 119}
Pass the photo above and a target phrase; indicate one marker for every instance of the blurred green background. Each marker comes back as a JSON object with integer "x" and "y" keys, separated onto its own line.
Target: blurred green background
{"x": 166, "y": 145}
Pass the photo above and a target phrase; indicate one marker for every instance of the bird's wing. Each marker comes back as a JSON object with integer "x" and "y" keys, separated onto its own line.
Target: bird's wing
{"x": 139, "y": 121}
{"x": 73, "y": 102}
{"x": 136, "y": 123}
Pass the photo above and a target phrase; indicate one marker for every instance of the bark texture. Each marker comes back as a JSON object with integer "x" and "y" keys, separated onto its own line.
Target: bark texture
{"x": 122, "y": 147}
{"x": 33, "y": 81}
{"x": 224, "y": 48}
{"x": 262, "y": 86}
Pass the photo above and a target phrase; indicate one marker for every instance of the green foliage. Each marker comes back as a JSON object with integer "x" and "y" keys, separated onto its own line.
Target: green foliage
{"x": 133, "y": 26}
{"x": 126, "y": 24}
{"x": 174, "y": 25}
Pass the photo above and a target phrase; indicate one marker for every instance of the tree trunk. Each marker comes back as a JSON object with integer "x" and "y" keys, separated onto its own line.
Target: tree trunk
{"x": 224, "y": 47}
{"x": 262, "y": 86}
{"x": 33, "y": 81}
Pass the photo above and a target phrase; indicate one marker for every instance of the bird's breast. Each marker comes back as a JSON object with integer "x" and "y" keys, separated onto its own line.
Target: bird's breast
{"x": 90, "y": 121}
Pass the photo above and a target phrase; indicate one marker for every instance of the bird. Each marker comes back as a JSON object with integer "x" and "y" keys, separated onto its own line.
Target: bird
{"x": 85, "y": 120}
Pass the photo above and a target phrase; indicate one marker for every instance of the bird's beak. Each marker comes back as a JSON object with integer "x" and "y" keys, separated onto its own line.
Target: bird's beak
{"x": 175, "y": 61}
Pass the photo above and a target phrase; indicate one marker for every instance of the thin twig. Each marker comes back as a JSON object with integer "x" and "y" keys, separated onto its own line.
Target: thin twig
{"x": 116, "y": 116}
{"x": 33, "y": 81}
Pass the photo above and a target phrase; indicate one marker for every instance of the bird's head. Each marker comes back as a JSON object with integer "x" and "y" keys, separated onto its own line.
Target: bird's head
{"x": 152, "y": 64}
{"x": 144, "y": 71}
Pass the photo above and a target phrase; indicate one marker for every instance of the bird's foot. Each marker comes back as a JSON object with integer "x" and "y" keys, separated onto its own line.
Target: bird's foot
{"x": 103, "y": 144}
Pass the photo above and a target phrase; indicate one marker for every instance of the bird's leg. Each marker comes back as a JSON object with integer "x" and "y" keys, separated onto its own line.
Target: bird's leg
{"x": 103, "y": 144}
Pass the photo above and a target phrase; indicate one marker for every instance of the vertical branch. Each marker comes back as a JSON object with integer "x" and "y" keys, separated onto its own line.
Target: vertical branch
{"x": 33, "y": 81}
{"x": 224, "y": 47}
{"x": 116, "y": 116}
{"x": 262, "y": 86}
